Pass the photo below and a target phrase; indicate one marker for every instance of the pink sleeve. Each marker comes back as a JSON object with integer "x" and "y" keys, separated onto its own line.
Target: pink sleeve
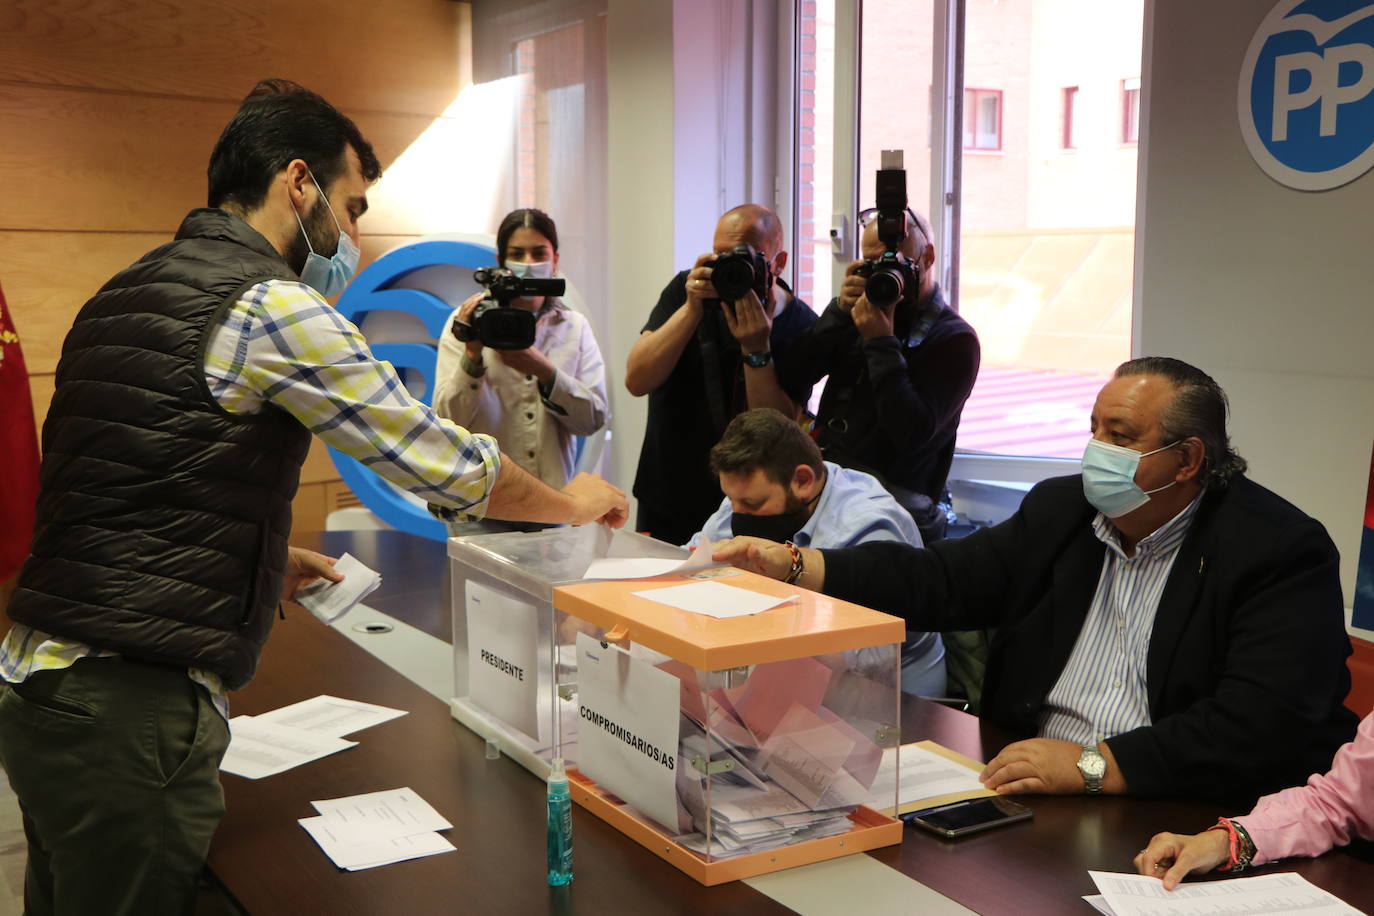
{"x": 1329, "y": 811}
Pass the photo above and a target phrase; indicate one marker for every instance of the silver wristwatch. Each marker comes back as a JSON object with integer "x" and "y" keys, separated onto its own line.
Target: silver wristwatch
{"x": 1093, "y": 766}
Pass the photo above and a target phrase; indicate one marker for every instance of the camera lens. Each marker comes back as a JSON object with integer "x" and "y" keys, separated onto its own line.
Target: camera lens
{"x": 884, "y": 287}
{"x": 732, "y": 277}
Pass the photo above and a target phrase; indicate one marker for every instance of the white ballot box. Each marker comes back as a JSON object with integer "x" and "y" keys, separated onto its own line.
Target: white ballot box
{"x": 504, "y": 652}
{"x": 731, "y": 724}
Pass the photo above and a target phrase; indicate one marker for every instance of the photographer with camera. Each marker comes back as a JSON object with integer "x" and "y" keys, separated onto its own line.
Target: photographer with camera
{"x": 522, "y": 367}
{"x": 900, "y": 368}
{"x": 706, "y": 354}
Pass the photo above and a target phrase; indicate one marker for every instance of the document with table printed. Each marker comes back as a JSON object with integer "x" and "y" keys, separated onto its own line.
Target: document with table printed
{"x": 1143, "y": 895}
{"x": 284, "y": 738}
{"x": 378, "y": 828}
{"x": 258, "y": 749}
{"x": 326, "y": 715}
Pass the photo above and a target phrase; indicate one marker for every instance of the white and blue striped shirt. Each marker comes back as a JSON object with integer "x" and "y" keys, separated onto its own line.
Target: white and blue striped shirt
{"x": 1101, "y": 691}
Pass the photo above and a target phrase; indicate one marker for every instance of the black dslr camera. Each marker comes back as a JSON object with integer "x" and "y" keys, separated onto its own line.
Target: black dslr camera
{"x": 893, "y": 276}
{"x": 495, "y": 322}
{"x": 739, "y": 271}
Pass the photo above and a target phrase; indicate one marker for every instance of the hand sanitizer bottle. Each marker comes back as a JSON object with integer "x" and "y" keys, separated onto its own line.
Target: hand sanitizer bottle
{"x": 560, "y": 826}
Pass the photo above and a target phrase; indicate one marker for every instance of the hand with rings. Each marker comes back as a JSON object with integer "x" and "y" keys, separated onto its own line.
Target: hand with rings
{"x": 699, "y": 286}
{"x": 1170, "y": 856}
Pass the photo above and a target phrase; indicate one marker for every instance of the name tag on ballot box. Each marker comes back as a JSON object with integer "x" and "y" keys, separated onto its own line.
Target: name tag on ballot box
{"x": 515, "y": 684}
{"x": 733, "y": 746}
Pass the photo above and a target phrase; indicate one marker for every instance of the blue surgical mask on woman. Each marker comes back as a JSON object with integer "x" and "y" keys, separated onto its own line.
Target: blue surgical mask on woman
{"x": 533, "y": 270}
{"x": 1109, "y": 478}
{"x": 328, "y": 276}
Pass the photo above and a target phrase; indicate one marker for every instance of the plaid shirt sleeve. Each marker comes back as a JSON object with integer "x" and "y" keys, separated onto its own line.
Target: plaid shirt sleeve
{"x": 281, "y": 343}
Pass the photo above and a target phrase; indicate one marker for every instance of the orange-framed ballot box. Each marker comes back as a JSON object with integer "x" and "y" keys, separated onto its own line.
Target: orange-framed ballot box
{"x": 505, "y": 653}
{"x": 731, "y": 724}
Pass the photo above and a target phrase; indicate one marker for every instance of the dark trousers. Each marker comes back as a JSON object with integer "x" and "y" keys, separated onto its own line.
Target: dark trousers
{"x": 116, "y": 766}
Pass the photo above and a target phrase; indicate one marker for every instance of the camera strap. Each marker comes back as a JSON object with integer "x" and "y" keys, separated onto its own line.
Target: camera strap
{"x": 708, "y": 340}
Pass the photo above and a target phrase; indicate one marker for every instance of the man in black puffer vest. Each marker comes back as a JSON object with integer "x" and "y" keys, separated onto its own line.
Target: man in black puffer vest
{"x": 187, "y": 391}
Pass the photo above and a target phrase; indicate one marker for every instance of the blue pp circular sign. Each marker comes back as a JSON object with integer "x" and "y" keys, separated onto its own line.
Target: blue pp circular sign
{"x": 1306, "y": 94}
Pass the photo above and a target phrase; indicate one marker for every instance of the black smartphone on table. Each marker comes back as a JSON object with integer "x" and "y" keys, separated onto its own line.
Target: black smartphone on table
{"x": 971, "y": 816}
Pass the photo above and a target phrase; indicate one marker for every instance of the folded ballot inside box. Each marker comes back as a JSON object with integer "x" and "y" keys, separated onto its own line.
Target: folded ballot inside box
{"x": 734, "y": 746}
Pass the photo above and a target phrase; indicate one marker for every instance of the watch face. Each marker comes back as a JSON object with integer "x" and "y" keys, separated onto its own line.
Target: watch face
{"x": 1092, "y": 764}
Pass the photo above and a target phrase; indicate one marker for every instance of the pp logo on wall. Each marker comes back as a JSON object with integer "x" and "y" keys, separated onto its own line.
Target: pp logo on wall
{"x": 1306, "y": 94}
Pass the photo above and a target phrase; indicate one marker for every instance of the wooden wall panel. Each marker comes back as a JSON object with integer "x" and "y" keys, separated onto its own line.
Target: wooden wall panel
{"x": 47, "y": 276}
{"x": 397, "y": 56}
{"x": 109, "y": 110}
{"x": 93, "y": 161}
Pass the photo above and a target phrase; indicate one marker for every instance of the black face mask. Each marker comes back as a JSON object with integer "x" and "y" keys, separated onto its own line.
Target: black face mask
{"x": 780, "y": 527}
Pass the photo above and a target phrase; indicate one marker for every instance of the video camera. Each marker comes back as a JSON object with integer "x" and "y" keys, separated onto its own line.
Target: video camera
{"x": 495, "y": 322}
{"x": 891, "y": 276}
{"x": 742, "y": 269}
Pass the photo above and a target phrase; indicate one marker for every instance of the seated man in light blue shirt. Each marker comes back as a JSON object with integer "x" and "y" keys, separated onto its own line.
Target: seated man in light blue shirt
{"x": 777, "y": 487}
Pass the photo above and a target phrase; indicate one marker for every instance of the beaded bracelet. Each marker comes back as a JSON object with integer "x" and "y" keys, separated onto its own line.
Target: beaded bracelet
{"x": 1242, "y": 848}
{"x": 795, "y": 572}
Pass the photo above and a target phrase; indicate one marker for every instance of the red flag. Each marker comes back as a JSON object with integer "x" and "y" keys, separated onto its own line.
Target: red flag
{"x": 18, "y": 451}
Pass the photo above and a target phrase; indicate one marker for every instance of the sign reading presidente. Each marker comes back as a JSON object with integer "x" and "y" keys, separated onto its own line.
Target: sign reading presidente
{"x": 1306, "y": 94}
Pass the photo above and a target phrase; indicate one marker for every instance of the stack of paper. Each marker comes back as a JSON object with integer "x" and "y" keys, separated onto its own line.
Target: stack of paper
{"x": 292, "y": 735}
{"x": 1143, "y": 895}
{"x": 931, "y": 775}
{"x": 331, "y": 600}
{"x": 326, "y": 715}
{"x": 379, "y": 828}
{"x": 785, "y": 768}
{"x": 258, "y": 749}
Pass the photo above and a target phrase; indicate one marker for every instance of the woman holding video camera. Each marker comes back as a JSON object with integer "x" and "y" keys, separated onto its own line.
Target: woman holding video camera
{"x": 534, "y": 401}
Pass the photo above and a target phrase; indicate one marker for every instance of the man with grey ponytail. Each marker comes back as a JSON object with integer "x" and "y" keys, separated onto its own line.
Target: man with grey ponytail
{"x": 1165, "y": 625}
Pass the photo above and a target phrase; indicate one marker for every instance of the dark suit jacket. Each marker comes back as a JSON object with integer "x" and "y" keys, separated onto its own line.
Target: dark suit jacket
{"x": 1246, "y": 668}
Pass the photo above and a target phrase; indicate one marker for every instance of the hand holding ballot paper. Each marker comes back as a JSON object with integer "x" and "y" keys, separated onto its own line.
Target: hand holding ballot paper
{"x": 330, "y": 599}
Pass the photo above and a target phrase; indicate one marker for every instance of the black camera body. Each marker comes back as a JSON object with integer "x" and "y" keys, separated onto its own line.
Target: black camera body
{"x": 889, "y": 278}
{"x": 497, "y": 323}
{"x": 740, "y": 270}
{"x": 893, "y": 276}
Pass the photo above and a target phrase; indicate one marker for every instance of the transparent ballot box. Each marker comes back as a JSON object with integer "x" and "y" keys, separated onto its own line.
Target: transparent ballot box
{"x": 504, "y": 652}
{"x": 738, "y": 744}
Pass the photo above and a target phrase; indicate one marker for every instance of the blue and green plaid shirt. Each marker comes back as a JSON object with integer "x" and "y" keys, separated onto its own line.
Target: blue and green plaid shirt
{"x": 282, "y": 344}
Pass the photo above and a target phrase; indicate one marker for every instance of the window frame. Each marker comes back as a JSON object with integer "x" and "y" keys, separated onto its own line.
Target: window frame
{"x": 1130, "y": 112}
{"x": 973, "y": 96}
{"x": 1068, "y": 118}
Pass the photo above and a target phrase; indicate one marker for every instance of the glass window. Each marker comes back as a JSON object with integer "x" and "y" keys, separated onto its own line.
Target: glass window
{"x": 815, "y": 166}
{"x": 1130, "y": 110}
{"x": 983, "y": 119}
{"x": 1070, "y": 119}
{"x": 1046, "y": 242}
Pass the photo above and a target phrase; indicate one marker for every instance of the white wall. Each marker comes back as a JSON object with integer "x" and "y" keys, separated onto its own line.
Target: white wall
{"x": 640, "y": 203}
{"x": 1266, "y": 288}
{"x": 692, "y": 101}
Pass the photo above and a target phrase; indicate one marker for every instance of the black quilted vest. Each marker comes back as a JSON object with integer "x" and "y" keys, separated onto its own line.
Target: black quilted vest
{"x": 162, "y": 519}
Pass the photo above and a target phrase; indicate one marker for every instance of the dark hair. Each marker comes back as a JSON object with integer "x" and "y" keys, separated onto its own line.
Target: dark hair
{"x": 526, "y": 218}
{"x": 277, "y": 122}
{"x": 1198, "y": 410}
{"x": 765, "y": 438}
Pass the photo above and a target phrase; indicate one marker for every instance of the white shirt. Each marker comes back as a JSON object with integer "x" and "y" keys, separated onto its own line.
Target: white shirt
{"x": 537, "y": 433}
{"x": 1102, "y": 690}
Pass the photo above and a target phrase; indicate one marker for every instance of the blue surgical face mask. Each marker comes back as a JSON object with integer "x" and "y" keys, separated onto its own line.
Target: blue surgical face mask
{"x": 1109, "y": 478}
{"x": 534, "y": 270}
{"x": 328, "y": 276}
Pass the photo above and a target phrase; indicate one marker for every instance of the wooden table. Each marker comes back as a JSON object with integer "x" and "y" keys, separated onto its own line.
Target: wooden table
{"x": 269, "y": 864}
